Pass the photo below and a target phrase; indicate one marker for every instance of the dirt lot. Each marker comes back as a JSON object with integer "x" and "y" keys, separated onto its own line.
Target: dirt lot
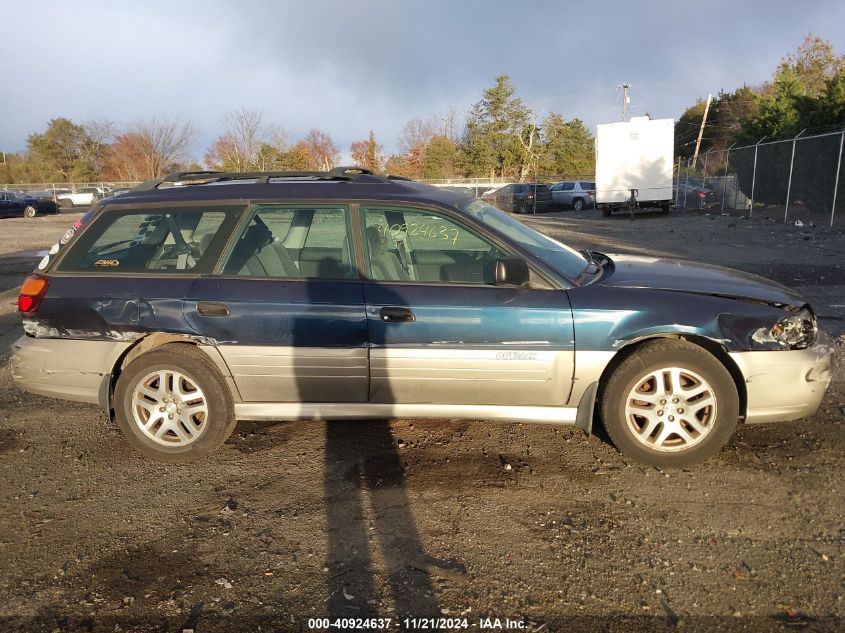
{"x": 538, "y": 524}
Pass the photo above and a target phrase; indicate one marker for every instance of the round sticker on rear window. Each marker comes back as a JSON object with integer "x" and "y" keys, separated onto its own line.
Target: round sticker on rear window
{"x": 43, "y": 263}
{"x": 66, "y": 237}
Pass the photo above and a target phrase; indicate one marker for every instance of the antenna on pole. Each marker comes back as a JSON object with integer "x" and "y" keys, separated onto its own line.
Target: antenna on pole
{"x": 626, "y": 100}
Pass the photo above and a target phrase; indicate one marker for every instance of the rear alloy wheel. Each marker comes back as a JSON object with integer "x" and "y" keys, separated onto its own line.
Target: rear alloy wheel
{"x": 578, "y": 204}
{"x": 670, "y": 404}
{"x": 173, "y": 404}
{"x": 30, "y": 211}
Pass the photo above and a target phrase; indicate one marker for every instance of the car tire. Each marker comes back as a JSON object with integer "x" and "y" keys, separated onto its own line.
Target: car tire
{"x": 173, "y": 404}
{"x": 578, "y": 204}
{"x": 30, "y": 211}
{"x": 684, "y": 420}
{"x": 66, "y": 203}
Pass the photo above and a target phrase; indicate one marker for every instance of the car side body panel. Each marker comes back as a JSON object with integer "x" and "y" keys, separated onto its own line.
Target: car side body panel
{"x": 287, "y": 341}
{"x": 470, "y": 345}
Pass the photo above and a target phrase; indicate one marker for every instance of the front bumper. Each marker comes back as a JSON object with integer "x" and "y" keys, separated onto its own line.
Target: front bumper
{"x": 785, "y": 385}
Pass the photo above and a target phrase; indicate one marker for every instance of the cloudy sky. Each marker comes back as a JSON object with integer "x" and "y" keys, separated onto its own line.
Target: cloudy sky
{"x": 348, "y": 67}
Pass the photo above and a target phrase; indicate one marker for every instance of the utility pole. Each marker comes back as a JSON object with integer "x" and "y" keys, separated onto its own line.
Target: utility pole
{"x": 625, "y": 98}
{"x": 701, "y": 131}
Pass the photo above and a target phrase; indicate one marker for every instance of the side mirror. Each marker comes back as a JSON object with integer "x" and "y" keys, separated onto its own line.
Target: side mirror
{"x": 512, "y": 271}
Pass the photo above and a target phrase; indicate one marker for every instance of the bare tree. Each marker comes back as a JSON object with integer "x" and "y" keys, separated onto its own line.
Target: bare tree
{"x": 529, "y": 156}
{"x": 243, "y": 127}
{"x": 417, "y": 133}
{"x": 449, "y": 119}
{"x": 278, "y": 137}
{"x": 322, "y": 152}
{"x": 161, "y": 142}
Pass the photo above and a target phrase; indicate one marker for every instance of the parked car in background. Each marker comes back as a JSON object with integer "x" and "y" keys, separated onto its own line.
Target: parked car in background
{"x": 573, "y": 194}
{"x": 523, "y": 197}
{"x": 82, "y": 197}
{"x": 694, "y": 196}
{"x": 23, "y": 204}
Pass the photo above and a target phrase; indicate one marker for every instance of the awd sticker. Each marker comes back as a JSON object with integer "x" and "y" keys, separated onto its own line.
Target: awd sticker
{"x": 107, "y": 262}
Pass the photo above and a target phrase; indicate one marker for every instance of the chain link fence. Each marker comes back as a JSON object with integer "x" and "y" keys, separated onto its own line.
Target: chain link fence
{"x": 797, "y": 180}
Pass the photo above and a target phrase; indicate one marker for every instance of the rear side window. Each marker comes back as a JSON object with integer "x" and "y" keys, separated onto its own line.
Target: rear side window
{"x": 159, "y": 240}
{"x": 294, "y": 243}
{"x": 587, "y": 186}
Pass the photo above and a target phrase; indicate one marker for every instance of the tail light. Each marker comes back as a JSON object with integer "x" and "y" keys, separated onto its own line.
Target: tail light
{"x": 530, "y": 196}
{"x": 591, "y": 193}
{"x": 32, "y": 293}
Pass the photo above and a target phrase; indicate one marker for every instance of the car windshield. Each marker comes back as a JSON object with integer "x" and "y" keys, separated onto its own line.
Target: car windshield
{"x": 559, "y": 256}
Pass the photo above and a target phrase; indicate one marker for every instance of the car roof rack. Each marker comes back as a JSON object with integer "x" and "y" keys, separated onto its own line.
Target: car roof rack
{"x": 260, "y": 177}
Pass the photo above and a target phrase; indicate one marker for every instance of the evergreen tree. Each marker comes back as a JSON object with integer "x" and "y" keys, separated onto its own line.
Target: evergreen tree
{"x": 491, "y": 144}
{"x": 440, "y": 158}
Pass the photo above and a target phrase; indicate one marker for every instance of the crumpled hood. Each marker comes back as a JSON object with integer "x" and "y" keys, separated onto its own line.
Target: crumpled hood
{"x": 631, "y": 271}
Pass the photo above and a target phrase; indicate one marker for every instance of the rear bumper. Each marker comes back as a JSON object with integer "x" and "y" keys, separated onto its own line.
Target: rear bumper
{"x": 65, "y": 368}
{"x": 787, "y": 385}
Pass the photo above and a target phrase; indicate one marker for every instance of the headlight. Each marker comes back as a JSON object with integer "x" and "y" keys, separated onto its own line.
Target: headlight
{"x": 795, "y": 331}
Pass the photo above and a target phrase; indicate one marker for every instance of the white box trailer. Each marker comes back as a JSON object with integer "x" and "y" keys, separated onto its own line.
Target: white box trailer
{"x": 636, "y": 154}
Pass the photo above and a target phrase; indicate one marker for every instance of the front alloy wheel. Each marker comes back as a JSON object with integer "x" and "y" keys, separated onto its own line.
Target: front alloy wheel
{"x": 671, "y": 409}
{"x": 669, "y": 403}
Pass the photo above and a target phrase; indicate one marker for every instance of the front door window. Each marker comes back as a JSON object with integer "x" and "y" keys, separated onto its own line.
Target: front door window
{"x": 424, "y": 246}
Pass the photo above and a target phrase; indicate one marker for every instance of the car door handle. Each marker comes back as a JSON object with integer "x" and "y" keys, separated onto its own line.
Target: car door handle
{"x": 212, "y": 309}
{"x": 397, "y": 315}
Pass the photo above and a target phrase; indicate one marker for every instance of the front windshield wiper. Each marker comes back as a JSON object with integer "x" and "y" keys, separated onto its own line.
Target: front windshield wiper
{"x": 591, "y": 259}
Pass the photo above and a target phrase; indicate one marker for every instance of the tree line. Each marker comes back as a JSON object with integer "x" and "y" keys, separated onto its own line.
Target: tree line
{"x": 806, "y": 95}
{"x": 806, "y": 92}
{"x": 499, "y": 137}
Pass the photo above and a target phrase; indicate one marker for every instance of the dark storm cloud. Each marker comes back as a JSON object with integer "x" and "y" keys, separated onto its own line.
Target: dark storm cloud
{"x": 350, "y": 67}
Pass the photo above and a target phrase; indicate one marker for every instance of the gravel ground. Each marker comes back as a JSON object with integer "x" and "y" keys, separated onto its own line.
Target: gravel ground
{"x": 538, "y": 524}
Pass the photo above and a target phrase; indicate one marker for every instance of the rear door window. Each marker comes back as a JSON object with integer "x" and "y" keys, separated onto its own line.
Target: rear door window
{"x": 290, "y": 242}
{"x": 182, "y": 240}
{"x": 588, "y": 186}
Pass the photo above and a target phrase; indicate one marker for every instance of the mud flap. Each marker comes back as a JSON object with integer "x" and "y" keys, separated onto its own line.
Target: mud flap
{"x": 584, "y": 417}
